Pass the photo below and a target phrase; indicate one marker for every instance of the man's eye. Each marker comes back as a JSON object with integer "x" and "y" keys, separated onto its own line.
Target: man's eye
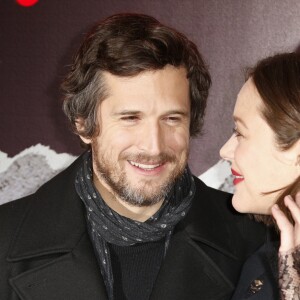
{"x": 173, "y": 119}
{"x": 129, "y": 118}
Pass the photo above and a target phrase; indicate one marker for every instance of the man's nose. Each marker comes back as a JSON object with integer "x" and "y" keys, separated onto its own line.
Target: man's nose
{"x": 152, "y": 138}
{"x": 227, "y": 151}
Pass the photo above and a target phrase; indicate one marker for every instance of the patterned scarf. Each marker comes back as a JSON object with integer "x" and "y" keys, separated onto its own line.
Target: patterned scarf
{"x": 107, "y": 226}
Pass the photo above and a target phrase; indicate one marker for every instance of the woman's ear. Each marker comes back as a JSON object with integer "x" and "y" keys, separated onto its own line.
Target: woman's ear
{"x": 296, "y": 149}
{"x": 80, "y": 126}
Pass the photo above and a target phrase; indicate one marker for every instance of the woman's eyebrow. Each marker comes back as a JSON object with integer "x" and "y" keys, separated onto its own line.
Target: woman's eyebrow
{"x": 238, "y": 119}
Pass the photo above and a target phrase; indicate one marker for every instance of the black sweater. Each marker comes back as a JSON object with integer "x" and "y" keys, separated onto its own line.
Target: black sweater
{"x": 135, "y": 269}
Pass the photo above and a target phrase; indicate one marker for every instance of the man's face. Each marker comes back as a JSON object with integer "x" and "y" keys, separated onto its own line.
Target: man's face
{"x": 143, "y": 141}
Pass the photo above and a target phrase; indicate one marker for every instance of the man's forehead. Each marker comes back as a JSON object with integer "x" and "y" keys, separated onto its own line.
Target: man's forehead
{"x": 109, "y": 76}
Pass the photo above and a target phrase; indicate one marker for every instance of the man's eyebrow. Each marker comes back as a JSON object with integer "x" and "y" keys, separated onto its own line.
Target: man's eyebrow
{"x": 136, "y": 112}
{"x": 126, "y": 112}
{"x": 177, "y": 112}
{"x": 238, "y": 119}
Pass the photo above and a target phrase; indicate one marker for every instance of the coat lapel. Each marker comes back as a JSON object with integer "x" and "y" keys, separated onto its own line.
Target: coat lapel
{"x": 191, "y": 267}
{"x": 52, "y": 252}
{"x": 188, "y": 272}
{"x": 74, "y": 275}
{"x": 258, "y": 280}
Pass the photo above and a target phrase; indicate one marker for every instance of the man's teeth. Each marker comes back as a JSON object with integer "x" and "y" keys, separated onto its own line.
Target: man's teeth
{"x": 145, "y": 167}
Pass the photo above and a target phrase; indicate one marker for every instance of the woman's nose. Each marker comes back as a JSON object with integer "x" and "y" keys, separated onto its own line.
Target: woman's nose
{"x": 228, "y": 149}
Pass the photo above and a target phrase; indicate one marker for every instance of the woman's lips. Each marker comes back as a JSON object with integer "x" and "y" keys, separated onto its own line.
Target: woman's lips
{"x": 237, "y": 177}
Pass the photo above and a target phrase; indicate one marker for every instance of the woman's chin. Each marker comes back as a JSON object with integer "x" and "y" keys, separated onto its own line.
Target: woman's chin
{"x": 238, "y": 205}
{"x": 245, "y": 207}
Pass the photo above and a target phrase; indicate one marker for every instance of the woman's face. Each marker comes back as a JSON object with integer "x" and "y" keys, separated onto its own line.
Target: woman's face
{"x": 258, "y": 166}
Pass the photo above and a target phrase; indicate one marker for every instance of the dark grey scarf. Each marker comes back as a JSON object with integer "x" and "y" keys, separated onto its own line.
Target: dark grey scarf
{"x": 107, "y": 226}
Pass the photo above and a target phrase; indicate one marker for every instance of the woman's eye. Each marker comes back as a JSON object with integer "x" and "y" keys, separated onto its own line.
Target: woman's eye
{"x": 236, "y": 132}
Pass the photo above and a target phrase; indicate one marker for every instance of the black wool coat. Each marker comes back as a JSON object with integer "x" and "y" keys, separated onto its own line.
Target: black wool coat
{"x": 259, "y": 277}
{"x": 46, "y": 253}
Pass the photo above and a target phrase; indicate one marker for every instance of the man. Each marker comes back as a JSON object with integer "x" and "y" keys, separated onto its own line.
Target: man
{"x": 127, "y": 220}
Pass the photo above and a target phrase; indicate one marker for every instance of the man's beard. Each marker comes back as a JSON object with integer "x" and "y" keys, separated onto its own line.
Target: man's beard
{"x": 147, "y": 193}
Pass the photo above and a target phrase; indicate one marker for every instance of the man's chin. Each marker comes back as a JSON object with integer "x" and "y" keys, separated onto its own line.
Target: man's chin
{"x": 142, "y": 199}
{"x": 143, "y": 203}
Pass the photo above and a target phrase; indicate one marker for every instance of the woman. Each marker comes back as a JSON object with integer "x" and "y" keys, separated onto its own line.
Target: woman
{"x": 264, "y": 152}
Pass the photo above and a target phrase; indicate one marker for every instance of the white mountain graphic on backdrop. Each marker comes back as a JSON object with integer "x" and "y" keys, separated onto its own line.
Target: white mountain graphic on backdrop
{"x": 24, "y": 173}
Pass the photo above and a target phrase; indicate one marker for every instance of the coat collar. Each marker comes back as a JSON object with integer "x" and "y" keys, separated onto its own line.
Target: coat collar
{"x": 225, "y": 231}
{"x": 54, "y": 219}
{"x": 259, "y": 275}
{"x": 72, "y": 275}
{"x": 188, "y": 273}
{"x": 53, "y": 235}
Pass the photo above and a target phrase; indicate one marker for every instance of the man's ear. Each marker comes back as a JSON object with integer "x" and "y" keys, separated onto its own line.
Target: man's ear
{"x": 80, "y": 126}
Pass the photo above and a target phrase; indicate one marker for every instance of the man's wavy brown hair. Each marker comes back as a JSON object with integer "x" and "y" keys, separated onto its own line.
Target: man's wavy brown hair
{"x": 126, "y": 45}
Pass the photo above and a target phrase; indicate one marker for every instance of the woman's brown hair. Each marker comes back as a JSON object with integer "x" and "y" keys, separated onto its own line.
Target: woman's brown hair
{"x": 277, "y": 80}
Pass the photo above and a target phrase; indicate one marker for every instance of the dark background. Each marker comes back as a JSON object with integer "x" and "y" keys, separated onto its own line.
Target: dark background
{"x": 37, "y": 44}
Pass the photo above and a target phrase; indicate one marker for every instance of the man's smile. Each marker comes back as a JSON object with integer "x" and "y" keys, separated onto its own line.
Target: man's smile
{"x": 144, "y": 166}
